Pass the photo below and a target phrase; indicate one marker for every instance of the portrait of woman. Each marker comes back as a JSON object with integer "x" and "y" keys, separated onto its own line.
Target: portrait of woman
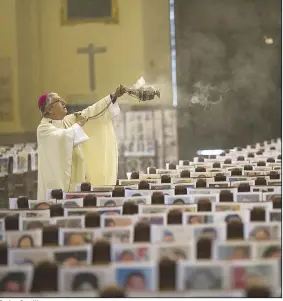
{"x": 85, "y": 282}
{"x": 25, "y": 241}
{"x": 13, "y": 282}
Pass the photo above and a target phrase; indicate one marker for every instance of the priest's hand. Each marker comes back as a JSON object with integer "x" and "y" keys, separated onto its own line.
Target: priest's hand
{"x": 80, "y": 120}
{"x": 119, "y": 91}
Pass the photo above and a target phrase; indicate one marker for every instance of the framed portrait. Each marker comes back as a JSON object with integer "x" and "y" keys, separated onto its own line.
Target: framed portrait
{"x": 70, "y": 222}
{"x": 33, "y": 223}
{"x": 85, "y": 279}
{"x": 73, "y": 255}
{"x": 200, "y": 276}
{"x": 118, "y": 234}
{"x": 29, "y": 256}
{"x": 138, "y": 252}
{"x": 24, "y": 239}
{"x": 75, "y": 237}
{"x": 138, "y": 277}
{"x": 118, "y": 221}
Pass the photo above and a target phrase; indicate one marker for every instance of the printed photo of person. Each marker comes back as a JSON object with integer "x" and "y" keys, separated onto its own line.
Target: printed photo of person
{"x": 195, "y": 219}
{"x": 117, "y": 235}
{"x": 110, "y": 203}
{"x": 119, "y": 221}
{"x": 213, "y": 198}
{"x": 257, "y": 274}
{"x": 36, "y": 213}
{"x": 138, "y": 279}
{"x": 151, "y": 209}
{"x": 206, "y": 232}
{"x": 13, "y": 282}
{"x": 233, "y": 217}
{"x": 275, "y": 216}
{"x": 176, "y": 252}
{"x": 272, "y": 252}
{"x": 24, "y": 239}
{"x": 70, "y": 222}
{"x": 72, "y": 258}
{"x": 130, "y": 253}
{"x": 168, "y": 236}
{"x": 85, "y": 282}
{"x": 178, "y": 200}
{"x": 260, "y": 233}
{"x": 230, "y": 207}
{"x": 34, "y": 224}
{"x": 203, "y": 278}
{"x": 110, "y": 212}
{"x": 40, "y": 205}
{"x": 29, "y": 256}
{"x": 153, "y": 220}
{"x": 88, "y": 278}
{"x": 231, "y": 252}
{"x": 77, "y": 238}
{"x": 248, "y": 197}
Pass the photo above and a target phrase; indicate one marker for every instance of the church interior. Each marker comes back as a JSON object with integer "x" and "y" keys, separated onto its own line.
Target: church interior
{"x": 173, "y": 188}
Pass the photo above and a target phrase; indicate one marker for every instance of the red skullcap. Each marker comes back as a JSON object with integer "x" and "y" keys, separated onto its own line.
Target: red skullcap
{"x": 42, "y": 99}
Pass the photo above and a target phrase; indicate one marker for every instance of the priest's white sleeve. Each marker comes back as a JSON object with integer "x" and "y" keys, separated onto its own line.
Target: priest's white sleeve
{"x": 79, "y": 135}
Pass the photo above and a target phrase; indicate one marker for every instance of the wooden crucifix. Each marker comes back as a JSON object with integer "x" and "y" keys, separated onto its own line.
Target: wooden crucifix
{"x": 91, "y": 50}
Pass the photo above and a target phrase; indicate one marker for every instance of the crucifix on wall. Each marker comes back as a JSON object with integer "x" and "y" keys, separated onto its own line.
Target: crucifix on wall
{"x": 91, "y": 50}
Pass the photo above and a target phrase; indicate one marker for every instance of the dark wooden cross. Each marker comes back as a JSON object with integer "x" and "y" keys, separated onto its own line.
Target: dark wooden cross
{"x": 91, "y": 50}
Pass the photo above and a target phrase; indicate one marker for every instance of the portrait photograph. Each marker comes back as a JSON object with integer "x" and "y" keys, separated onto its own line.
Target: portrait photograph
{"x": 15, "y": 280}
{"x": 234, "y": 251}
{"x": 268, "y": 250}
{"x": 118, "y": 235}
{"x": 138, "y": 252}
{"x": 176, "y": 251}
{"x": 70, "y": 222}
{"x": 170, "y": 233}
{"x": 33, "y": 223}
{"x": 40, "y": 205}
{"x": 24, "y": 239}
{"x": 162, "y": 186}
{"x": 136, "y": 277}
{"x": 198, "y": 191}
{"x": 73, "y": 256}
{"x": 111, "y": 211}
{"x": 253, "y": 273}
{"x": 218, "y": 185}
{"x": 126, "y": 182}
{"x": 197, "y": 218}
{"x": 207, "y": 276}
{"x": 228, "y": 216}
{"x": 71, "y": 203}
{"x": 110, "y": 202}
{"x": 153, "y": 219}
{"x": 213, "y": 198}
{"x": 226, "y": 207}
{"x": 264, "y": 231}
{"x": 118, "y": 221}
{"x": 75, "y": 237}
{"x": 140, "y": 200}
{"x": 248, "y": 197}
{"x": 178, "y": 200}
{"x": 214, "y": 232}
{"x": 43, "y": 213}
{"x": 182, "y": 208}
{"x": 29, "y": 256}
{"x": 270, "y": 196}
{"x": 78, "y": 211}
{"x": 152, "y": 209}
{"x": 275, "y": 215}
{"x": 85, "y": 279}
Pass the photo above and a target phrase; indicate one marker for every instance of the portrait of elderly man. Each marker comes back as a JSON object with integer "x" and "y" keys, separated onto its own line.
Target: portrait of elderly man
{"x": 77, "y": 147}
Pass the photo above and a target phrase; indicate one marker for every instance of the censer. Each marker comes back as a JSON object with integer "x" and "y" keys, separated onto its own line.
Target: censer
{"x": 142, "y": 91}
{"x": 139, "y": 90}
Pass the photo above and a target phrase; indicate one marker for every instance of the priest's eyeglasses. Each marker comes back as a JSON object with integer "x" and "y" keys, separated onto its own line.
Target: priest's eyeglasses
{"x": 61, "y": 100}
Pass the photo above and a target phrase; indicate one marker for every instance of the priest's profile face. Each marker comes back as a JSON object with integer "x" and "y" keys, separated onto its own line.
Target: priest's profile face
{"x": 52, "y": 106}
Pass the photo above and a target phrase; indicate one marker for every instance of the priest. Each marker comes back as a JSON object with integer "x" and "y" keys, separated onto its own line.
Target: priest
{"x": 78, "y": 147}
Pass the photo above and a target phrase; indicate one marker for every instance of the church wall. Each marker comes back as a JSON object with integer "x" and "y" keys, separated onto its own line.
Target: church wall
{"x": 46, "y": 59}
{"x": 9, "y": 102}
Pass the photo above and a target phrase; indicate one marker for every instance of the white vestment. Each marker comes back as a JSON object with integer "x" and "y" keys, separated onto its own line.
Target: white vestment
{"x": 69, "y": 154}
